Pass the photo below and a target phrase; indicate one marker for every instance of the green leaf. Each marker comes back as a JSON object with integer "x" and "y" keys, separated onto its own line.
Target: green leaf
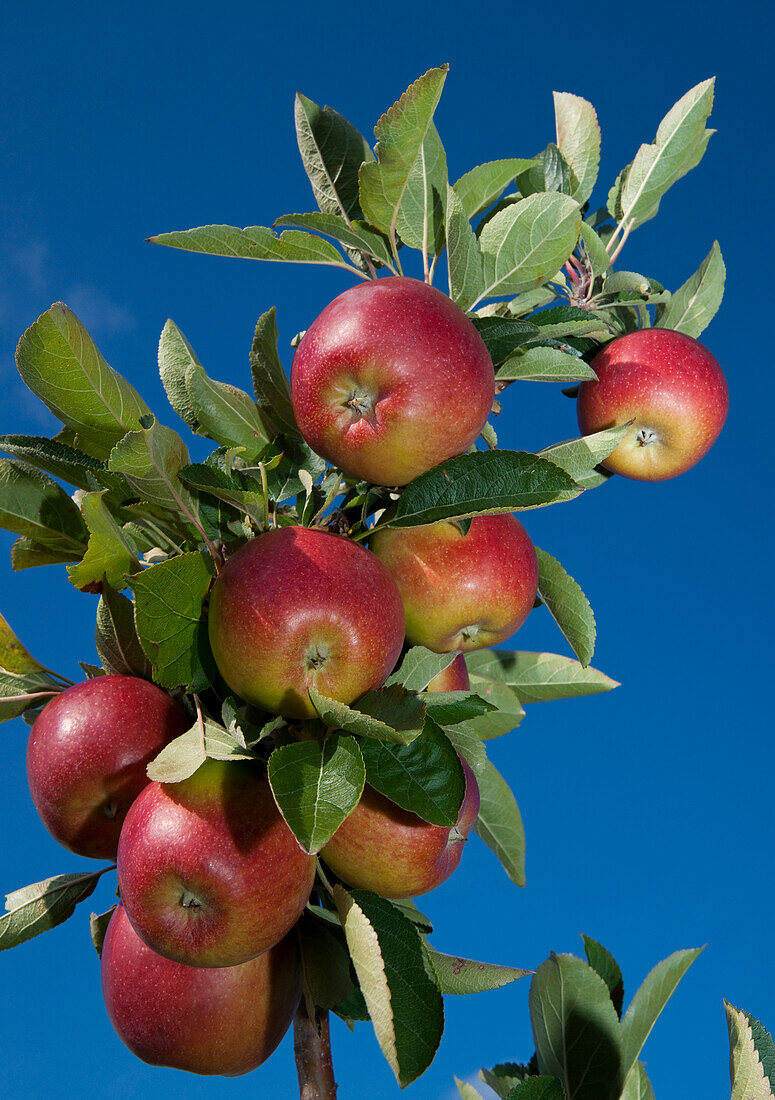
{"x": 580, "y": 457}
{"x": 751, "y": 1056}
{"x": 13, "y": 655}
{"x": 694, "y": 305}
{"x": 115, "y": 636}
{"x": 242, "y": 492}
{"x": 255, "y": 242}
{"x": 495, "y": 723}
{"x": 604, "y": 964}
{"x": 450, "y": 707}
{"x": 499, "y": 823}
{"x": 270, "y": 384}
{"x": 15, "y": 687}
{"x": 397, "y": 981}
{"x": 469, "y": 746}
{"x": 400, "y": 135}
{"x": 55, "y": 458}
{"x": 594, "y": 250}
{"x": 482, "y": 186}
{"x": 98, "y": 926}
{"x": 537, "y": 677}
{"x": 425, "y": 777}
{"x": 549, "y": 172}
{"x": 27, "y": 554}
{"x": 422, "y": 212}
{"x": 325, "y": 963}
{"x": 575, "y": 1027}
{"x": 332, "y": 151}
{"x": 482, "y": 483}
{"x": 578, "y": 137}
{"x": 169, "y": 614}
{"x": 526, "y": 244}
{"x": 175, "y": 357}
{"x": 647, "y": 1004}
{"x": 637, "y": 1085}
{"x": 111, "y": 552}
{"x": 62, "y": 365}
{"x": 503, "y": 335}
{"x": 679, "y": 146}
{"x": 468, "y": 1092}
{"x": 567, "y": 605}
{"x": 36, "y": 507}
{"x": 44, "y": 905}
{"x": 355, "y": 235}
{"x": 538, "y": 1088}
{"x": 225, "y": 413}
{"x": 389, "y": 714}
{"x": 317, "y": 785}
{"x": 568, "y": 321}
{"x": 541, "y": 364}
{"x": 765, "y": 1047}
{"x": 419, "y": 667}
{"x": 464, "y": 259}
{"x": 459, "y": 976}
{"x": 504, "y": 1078}
{"x": 205, "y": 740}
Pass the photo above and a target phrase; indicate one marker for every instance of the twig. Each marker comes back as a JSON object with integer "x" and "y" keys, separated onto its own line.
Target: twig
{"x": 312, "y": 1050}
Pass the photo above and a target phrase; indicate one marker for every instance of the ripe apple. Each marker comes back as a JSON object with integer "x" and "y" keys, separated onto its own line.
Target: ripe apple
{"x": 395, "y": 853}
{"x": 453, "y": 678}
{"x": 87, "y": 755}
{"x": 673, "y": 389}
{"x": 461, "y": 591}
{"x": 297, "y": 608}
{"x": 226, "y": 1020}
{"x": 209, "y": 872}
{"x": 391, "y": 379}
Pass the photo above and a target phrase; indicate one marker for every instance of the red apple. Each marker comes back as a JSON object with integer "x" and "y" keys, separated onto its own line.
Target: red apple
{"x": 297, "y": 608}
{"x": 391, "y": 379}
{"x": 453, "y": 678}
{"x": 671, "y": 387}
{"x": 87, "y": 755}
{"x": 395, "y": 853}
{"x": 461, "y": 591}
{"x": 226, "y": 1020}
{"x": 209, "y": 872}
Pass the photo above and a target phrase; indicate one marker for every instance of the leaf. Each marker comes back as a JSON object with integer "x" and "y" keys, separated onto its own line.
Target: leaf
{"x": 567, "y": 605}
{"x": 151, "y": 460}
{"x": 425, "y": 777}
{"x": 422, "y": 212}
{"x": 111, "y": 552}
{"x": 594, "y": 250}
{"x": 55, "y": 458}
{"x": 580, "y": 457}
{"x": 36, "y": 507}
{"x": 765, "y": 1047}
{"x": 538, "y": 1088}
{"x": 541, "y": 364}
{"x": 62, "y": 365}
{"x": 464, "y": 259}
{"x": 206, "y": 739}
{"x": 575, "y": 1028}
{"x": 317, "y": 785}
{"x": 549, "y": 172}
{"x": 503, "y": 335}
{"x": 604, "y": 964}
{"x": 118, "y": 645}
{"x": 224, "y": 413}
{"x": 419, "y": 667}
{"x": 450, "y": 707}
{"x": 270, "y": 384}
{"x": 332, "y": 151}
{"x": 169, "y": 600}
{"x": 469, "y": 746}
{"x": 27, "y": 554}
{"x": 242, "y": 492}
{"x": 568, "y": 321}
{"x": 482, "y": 483}
{"x": 679, "y": 146}
{"x": 537, "y": 677}
{"x": 388, "y": 714}
{"x": 355, "y": 235}
{"x": 526, "y": 244}
{"x": 468, "y": 1092}
{"x": 578, "y": 137}
{"x": 747, "y": 1056}
{"x": 14, "y": 689}
{"x": 44, "y": 905}
{"x": 400, "y": 135}
{"x": 482, "y": 186}
{"x": 504, "y": 1078}
{"x": 98, "y": 926}
{"x": 637, "y": 1086}
{"x": 647, "y": 1004}
{"x": 255, "y": 242}
{"x": 397, "y": 981}
{"x": 694, "y": 305}
{"x": 175, "y": 357}
{"x": 504, "y": 719}
{"x": 325, "y": 963}
{"x": 459, "y": 976}
{"x": 13, "y": 656}
{"x": 499, "y": 823}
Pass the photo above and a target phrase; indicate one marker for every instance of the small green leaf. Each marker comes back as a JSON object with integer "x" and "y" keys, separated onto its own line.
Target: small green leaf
{"x": 116, "y": 640}
{"x": 694, "y": 305}
{"x": 182, "y": 757}
{"x": 36, "y": 507}
{"x": 467, "y": 1092}
{"x": 27, "y": 554}
{"x": 13, "y": 656}
{"x": 539, "y": 1088}
{"x": 423, "y": 207}
{"x": 53, "y": 457}
{"x": 567, "y": 605}
{"x": 578, "y": 136}
{"x": 450, "y": 707}
{"x": 507, "y": 715}
{"x": 389, "y": 714}
{"x": 541, "y": 364}
{"x": 175, "y": 357}
{"x": 14, "y": 688}
{"x": 459, "y": 976}
{"x": 355, "y": 235}
{"x": 594, "y": 250}
{"x": 98, "y": 926}
{"x": 479, "y": 188}
{"x": 751, "y": 1056}
{"x": 419, "y": 667}
{"x": 270, "y": 384}
{"x": 504, "y": 1078}
{"x": 537, "y": 677}
{"x": 325, "y": 963}
{"x": 499, "y": 823}
{"x": 44, "y": 905}
{"x": 464, "y": 259}
{"x": 332, "y": 151}
{"x": 604, "y": 964}
{"x": 503, "y": 335}
{"x": 111, "y": 552}
{"x": 580, "y": 457}
{"x": 225, "y": 414}
{"x": 234, "y": 488}
{"x": 317, "y": 785}
{"x": 255, "y": 242}
{"x": 637, "y": 1085}
{"x": 549, "y": 172}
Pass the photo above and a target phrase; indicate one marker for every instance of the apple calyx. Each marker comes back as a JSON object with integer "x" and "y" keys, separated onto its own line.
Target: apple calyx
{"x": 110, "y": 809}
{"x": 455, "y": 836}
{"x": 645, "y": 436}
{"x": 189, "y": 900}
{"x": 316, "y": 657}
{"x": 362, "y": 404}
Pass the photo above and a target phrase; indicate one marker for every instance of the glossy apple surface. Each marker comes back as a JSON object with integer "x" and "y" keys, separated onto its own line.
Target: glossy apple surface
{"x": 209, "y": 872}
{"x": 391, "y": 379}
{"x": 673, "y": 389}
{"x": 395, "y": 853}
{"x": 215, "y": 1021}
{"x": 297, "y": 608}
{"x": 87, "y": 754}
{"x": 462, "y": 591}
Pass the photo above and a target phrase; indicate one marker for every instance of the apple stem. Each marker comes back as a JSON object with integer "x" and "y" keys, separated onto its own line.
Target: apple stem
{"x": 622, "y": 242}
{"x": 312, "y": 1050}
{"x": 32, "y": 695}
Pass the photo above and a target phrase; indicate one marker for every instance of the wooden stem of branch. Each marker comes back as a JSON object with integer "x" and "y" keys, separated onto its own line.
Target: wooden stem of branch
{"x": 312, "y": 1048}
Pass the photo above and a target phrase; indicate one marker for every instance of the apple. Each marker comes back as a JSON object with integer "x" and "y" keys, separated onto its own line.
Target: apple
{"x": 671, "y": 387}
{"x": 461, "y": 591}
{"x": 208, "y": 870}
{"x": 298, "y": 607}
{"x": 216, "y": 1021}
{"x": 87, "y": 754}
{"x": 391, "y": 379}
{"x": 453, "y": 678}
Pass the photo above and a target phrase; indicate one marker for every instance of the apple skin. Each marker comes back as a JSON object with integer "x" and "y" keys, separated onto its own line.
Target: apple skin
{"x": 297, "y": 608}
{"x": 209, "y": 872}
{"x": 87, "y": 754}
{"x": 391, "y": 379}
{"x": 453, "y": 678}
{"x": 395, "y": 853}
{"x": 213, "y": 1021}
{"x": 462, "y": 591}
{"x": 671, "y": 386}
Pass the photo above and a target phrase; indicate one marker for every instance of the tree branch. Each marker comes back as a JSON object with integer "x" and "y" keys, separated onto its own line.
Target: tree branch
{"x": 312, "y": 1049}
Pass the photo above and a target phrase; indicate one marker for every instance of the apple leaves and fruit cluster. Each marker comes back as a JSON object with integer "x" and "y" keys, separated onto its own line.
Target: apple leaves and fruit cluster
{"x": 285, "y": 741}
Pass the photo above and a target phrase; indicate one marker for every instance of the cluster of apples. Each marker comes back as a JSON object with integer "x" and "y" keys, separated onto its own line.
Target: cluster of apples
{"x": 199, "y": 965}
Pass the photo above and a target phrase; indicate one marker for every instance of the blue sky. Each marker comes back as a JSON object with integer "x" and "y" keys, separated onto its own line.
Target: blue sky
{"x": 648, "y": 811}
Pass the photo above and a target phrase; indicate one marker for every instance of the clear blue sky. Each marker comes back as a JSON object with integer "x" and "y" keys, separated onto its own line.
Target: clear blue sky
{"x": 649, "y": 811}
